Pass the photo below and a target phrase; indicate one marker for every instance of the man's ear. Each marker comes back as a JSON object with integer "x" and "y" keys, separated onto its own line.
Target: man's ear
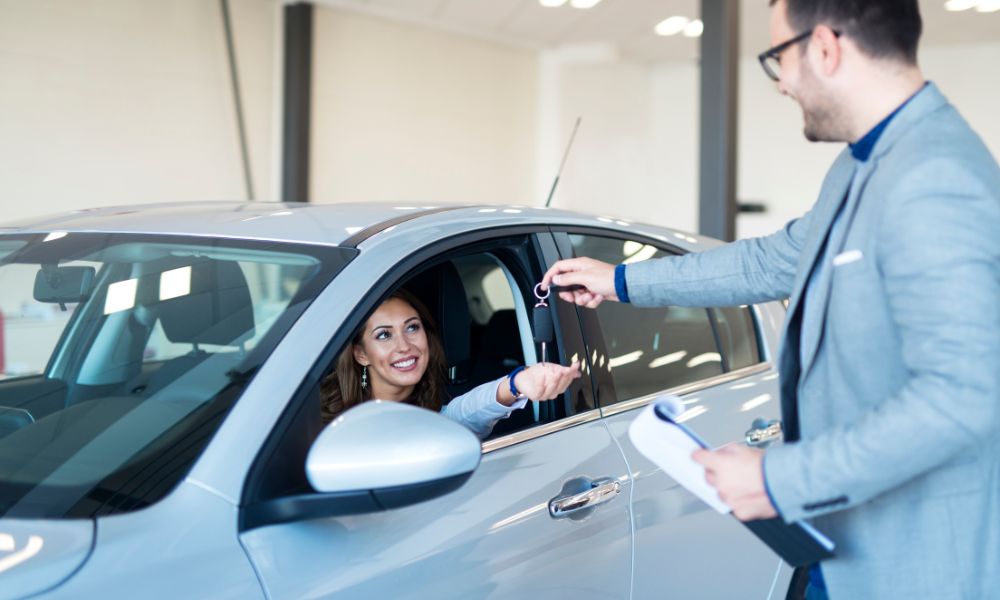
{"x": 829, "y": 49}
{"x": 359, "y": 355}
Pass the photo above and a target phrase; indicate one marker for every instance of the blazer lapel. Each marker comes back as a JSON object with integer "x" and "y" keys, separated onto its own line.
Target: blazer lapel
{"x": 821, "y": 291}
{"x": 832, "y": 196}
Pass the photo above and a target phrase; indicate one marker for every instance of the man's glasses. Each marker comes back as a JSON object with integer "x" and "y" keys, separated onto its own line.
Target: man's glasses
{"x": 770, "y": 59}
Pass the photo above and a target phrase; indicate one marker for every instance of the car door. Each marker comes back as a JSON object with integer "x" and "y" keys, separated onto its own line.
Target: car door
{"x": 494, "y": 537}
{"x": 712, "y": 359}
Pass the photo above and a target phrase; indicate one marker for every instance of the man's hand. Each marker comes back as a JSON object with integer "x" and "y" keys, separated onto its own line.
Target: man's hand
{"x": 595, "y": 278}
{"x": 737, "y": 472}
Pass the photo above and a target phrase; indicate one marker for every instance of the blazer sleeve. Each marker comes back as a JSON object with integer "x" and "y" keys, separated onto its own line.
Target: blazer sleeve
{"x": 478, "y": 408}
{"x": 743, "y": 272}
{"x": 939, "y": 255}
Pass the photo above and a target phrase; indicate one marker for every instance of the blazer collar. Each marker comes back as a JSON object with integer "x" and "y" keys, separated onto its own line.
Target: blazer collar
{"x": 923, "y": 103}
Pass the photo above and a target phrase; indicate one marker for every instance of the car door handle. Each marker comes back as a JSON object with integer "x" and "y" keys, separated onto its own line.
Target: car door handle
{"x": 763, "y": 433}
{"x": 601, "y": 491}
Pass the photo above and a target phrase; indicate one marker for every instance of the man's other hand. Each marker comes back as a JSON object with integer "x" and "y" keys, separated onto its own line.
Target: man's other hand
{"x": 596, "y": 281}
{"x": 737, "y": 472}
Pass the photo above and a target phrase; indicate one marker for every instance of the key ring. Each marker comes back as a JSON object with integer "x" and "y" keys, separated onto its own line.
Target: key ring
{"x": 541, "y": 298}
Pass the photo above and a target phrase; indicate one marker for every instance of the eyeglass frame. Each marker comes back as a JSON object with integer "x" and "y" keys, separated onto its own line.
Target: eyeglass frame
{"x": 775, "y": 52}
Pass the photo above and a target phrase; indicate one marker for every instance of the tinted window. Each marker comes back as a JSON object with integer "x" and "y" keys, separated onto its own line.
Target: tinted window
{"x": 129, "y": 373}
{"x": 737, "y": 336}
{"x": 649, "y": 349}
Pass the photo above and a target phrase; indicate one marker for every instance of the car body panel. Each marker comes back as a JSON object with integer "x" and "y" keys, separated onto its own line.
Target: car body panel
{"x": 492, "y": 538}
{"x": 36, "y": 555}
{"x": 676, "y": 534}
{"x": 185, "y": 546}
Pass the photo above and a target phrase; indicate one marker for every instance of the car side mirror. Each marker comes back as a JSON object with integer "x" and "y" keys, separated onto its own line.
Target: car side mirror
{"x": 63, "y": 285}
{"x": 377, "y": 456}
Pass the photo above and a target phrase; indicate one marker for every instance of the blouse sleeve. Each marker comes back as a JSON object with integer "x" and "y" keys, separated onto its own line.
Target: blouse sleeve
{"x": 478, "y": 408}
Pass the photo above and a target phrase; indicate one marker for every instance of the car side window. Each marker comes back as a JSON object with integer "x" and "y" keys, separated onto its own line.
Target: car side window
{"x": 479, "y": 303}
{"x": 737, "y": 336}
{"x": 652, "y": 349}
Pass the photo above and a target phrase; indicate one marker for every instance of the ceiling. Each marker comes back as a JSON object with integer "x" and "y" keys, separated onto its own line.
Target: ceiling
{"x": 628, "y": 24}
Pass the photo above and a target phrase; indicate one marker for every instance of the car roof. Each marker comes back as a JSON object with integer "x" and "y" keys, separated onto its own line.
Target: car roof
{"x": 345, "y": 224}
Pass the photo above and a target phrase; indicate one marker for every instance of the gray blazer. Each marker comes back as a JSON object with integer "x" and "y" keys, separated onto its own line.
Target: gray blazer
{"x": 892, "y": 417}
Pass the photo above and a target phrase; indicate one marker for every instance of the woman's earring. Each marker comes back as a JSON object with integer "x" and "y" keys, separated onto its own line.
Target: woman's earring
{"x": 364, "y": 377}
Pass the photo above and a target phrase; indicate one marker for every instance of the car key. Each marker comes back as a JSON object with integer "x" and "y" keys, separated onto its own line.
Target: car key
{"x": 542, "y": 322}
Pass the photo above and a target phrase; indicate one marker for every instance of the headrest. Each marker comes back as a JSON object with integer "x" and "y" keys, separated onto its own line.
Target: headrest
{"x": 441, "y": 289}
{"x": 501, "y": 339}
{"x": 218, "y": 310}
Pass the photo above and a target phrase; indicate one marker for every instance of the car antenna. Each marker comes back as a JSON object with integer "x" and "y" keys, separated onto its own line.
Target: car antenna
{"x": 555, "y": 183}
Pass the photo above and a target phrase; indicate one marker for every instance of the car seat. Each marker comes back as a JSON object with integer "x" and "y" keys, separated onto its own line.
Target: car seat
{"x": 217, "y": 311}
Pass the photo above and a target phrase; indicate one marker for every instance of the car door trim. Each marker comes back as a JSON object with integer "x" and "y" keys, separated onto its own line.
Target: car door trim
{"x": 542, "y": 430}
{"x": 688, "y": 388}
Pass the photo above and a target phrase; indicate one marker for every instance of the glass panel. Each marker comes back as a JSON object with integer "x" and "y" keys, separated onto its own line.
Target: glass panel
{"x": 650, "y": 349}
{"x": 737, "y": 336}
{"x": 119, "y": 370}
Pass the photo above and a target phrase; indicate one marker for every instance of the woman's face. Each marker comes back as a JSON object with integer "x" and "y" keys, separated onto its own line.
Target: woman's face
{"x": 394, "y": 348}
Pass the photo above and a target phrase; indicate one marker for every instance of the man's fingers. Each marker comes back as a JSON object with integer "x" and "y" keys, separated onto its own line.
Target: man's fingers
{"x": 562, "y": 266}
{"x": 705, "y": 458}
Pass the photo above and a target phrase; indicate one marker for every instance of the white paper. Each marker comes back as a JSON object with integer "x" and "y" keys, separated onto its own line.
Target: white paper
{"x": 670, "y": 448}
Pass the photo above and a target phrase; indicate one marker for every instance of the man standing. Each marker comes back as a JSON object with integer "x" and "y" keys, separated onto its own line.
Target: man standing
{"x": 890, "y": 361}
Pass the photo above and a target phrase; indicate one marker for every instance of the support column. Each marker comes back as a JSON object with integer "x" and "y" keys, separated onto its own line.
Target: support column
{"x": 296, "y": 118}
{"x": 719, "y": 102}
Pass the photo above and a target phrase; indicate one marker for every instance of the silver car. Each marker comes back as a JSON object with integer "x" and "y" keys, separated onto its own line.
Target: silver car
{"x": 161, "y": 432}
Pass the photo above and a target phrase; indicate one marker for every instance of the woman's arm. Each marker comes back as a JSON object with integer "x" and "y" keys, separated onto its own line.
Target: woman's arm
{"x": 480, "y": 408}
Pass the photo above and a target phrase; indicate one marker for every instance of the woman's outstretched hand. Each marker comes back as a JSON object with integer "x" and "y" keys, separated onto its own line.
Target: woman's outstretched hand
{"x": 542, "y": 381}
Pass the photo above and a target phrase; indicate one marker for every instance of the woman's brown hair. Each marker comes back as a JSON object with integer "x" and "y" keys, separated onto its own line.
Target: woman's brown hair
{"x": 341, "y": 388}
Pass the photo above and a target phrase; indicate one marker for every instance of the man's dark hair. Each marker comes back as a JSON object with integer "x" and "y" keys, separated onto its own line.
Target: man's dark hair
{"x": 880, "y": 28}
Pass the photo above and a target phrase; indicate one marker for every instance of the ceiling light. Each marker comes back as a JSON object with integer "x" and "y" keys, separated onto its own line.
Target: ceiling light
{"x": 552, "y": 3}
{"x": 987, "y": 6}
{"x": 584, "y": 3}
{"x": 959, "y": 5}
{"x": 694, "y": 28}
{"x": 671, "y": 26}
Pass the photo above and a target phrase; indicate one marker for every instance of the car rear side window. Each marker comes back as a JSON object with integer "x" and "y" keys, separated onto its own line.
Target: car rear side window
{"x": 653, "y": 349}
{"x": 737, "y": 336}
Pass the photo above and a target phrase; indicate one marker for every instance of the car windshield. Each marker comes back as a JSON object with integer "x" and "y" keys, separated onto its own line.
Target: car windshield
{"x": 121, "y": 354}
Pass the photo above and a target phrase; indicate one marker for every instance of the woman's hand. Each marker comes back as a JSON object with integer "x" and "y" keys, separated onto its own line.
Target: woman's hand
{"x": 542, "y": 381}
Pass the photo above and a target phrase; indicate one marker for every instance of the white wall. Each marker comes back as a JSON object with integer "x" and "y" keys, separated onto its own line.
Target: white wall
{"x": 118, "y": 101}
{"x": 778, "y": 166}
{"x": 414, "y": 115}
{"x": 121, "y": 102}
{"x": 637, "y": 152}
{"x": 631, "y": 157}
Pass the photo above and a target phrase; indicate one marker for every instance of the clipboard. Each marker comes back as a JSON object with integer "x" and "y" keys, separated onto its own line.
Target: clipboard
{"x": 662, "y": 437}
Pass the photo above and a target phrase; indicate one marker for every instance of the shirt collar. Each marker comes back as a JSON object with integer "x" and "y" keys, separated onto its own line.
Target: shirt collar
{"x": 862, "y": 149}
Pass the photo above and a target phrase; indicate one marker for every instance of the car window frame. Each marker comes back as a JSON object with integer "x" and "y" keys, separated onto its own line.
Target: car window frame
{"x": 276, "y": 446}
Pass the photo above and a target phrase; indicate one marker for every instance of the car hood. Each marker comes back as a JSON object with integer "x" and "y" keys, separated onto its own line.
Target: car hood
{"x": 37, "y": 555}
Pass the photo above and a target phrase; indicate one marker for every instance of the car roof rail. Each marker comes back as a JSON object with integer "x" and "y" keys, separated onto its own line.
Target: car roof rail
{"x": 372, "y": 230}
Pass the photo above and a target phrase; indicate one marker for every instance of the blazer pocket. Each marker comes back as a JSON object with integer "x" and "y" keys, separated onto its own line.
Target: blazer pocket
{"x": 849, "y": 263}
{"x": 847, "y": 257}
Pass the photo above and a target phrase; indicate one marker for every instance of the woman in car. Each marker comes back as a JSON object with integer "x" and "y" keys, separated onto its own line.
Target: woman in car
{"x": 397, "y": 356}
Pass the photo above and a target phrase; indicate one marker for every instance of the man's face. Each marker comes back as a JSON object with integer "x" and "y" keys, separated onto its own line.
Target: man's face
{"x": 822, "y": 122}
